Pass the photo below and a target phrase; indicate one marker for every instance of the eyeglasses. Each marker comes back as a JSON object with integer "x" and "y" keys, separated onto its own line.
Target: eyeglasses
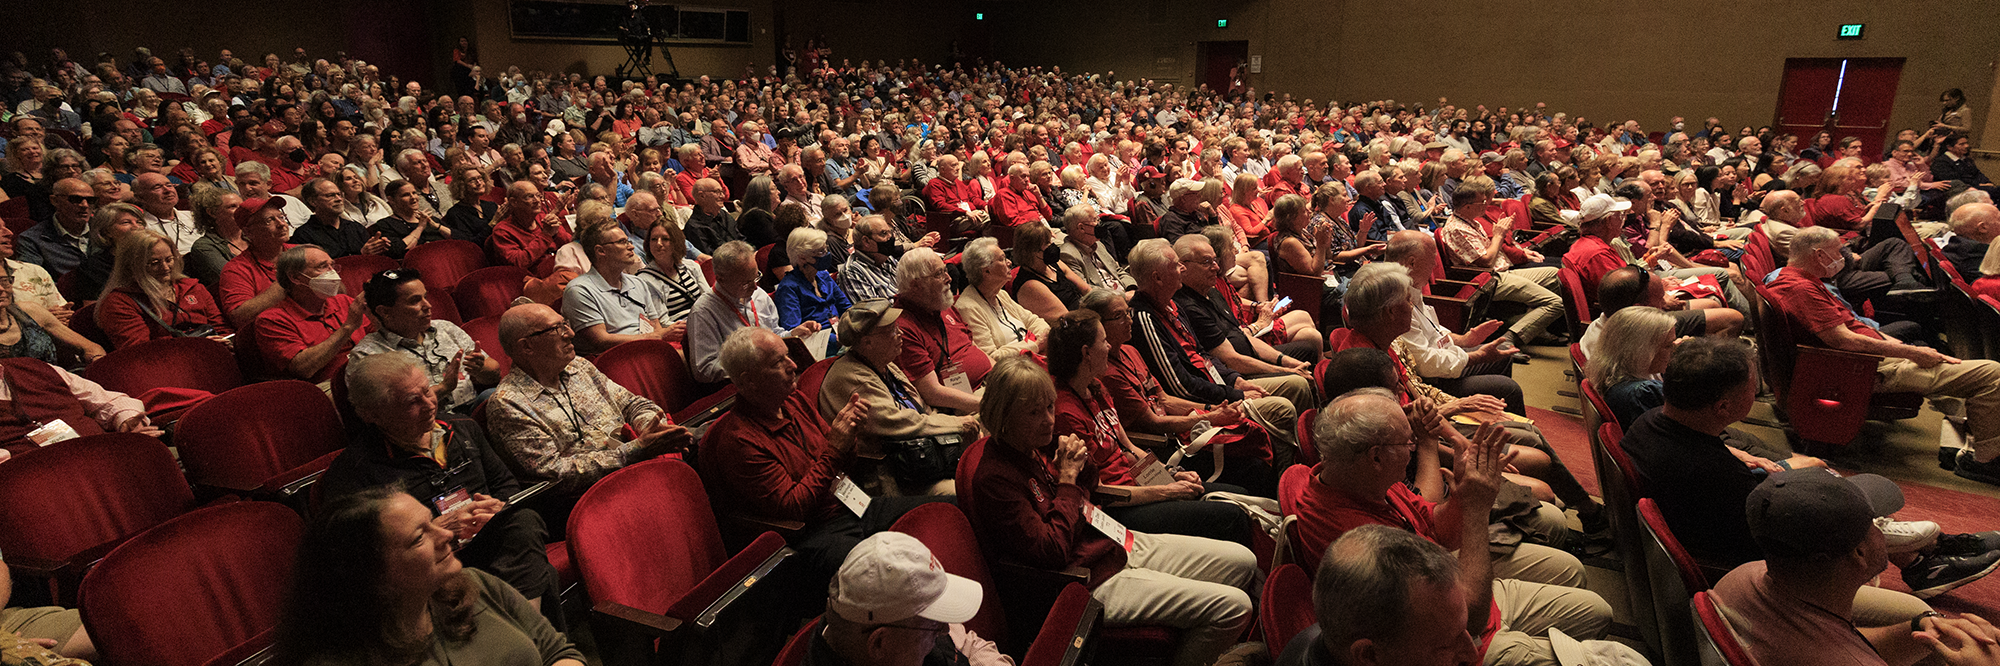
{"x": 626, "y": 242}
{"x": 1211, "y": 261}
{"x": 81, "y": 199}
{"x": 561, "y": 325}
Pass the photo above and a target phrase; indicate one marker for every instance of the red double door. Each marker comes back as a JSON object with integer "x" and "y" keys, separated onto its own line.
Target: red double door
{"x": 1844, "y": 96}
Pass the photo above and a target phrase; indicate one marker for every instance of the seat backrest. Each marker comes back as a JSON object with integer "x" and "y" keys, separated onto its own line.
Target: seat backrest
{"x": 84, "y": 321}
{"x": 1718, "y": 644}
{"x": 812, "y": 378}
{"x": 1575, "y": 298}
{"x": 640, "y": 367}
{"x": 443, "y": 306}
{"x": 219, "y": 573}
{"x": 1673, "y": 579}
{"x": 1596, "y": 411}
{"x": 797, "y": 647}
{"x": 248, "y": 435}
{"x": 1057, "y": 638}
{"x": 944, "y": 529}
{"x": 486, "y": 332}
{"x": 644, "y": 536}
{"x": 1287, "y": 606}
{"x": 1304, "y": 290}
{"x": 356, "y": 269}
{"x": 1775, "y": 346}
{"x": 445, "y": 262}
{"x": 489, "y": 291}
{"x": 1758, "y": 259}
{"x": 61, "y": 500}
{"x": 191, "y": 363}
{"x": 1308, "y": 453}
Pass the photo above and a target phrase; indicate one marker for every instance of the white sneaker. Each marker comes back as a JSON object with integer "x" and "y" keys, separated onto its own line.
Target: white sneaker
{"x": 1908, "y": 536}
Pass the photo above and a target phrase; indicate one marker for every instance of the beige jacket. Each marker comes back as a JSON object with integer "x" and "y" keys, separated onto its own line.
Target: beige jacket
{"x": 886, "y": 420}
{"x": 991, "y": 336}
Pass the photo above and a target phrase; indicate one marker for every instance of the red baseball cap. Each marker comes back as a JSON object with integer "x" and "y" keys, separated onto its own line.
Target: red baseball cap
{"x": 247, "y": 213}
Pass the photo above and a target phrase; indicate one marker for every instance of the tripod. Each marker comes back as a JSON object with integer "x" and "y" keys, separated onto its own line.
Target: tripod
{"x": 638, "y": 59}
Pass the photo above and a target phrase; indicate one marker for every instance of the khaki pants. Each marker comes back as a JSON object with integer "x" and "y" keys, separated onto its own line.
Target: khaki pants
{"x": 1536, "y": 563}
{"x": 1533, "y": 287}
{"x": 1978, "y": 382}
{"x": 1529, "y": 610}
{"x": 50, "y": 622}
{"x": 1200, "y": 586}
{"x": 1877, "y": 607}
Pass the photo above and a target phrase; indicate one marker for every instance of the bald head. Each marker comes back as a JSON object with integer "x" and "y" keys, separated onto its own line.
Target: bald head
{"x": 521, "y": 320}
{"x": 1977, "y": 221}
{"x": 1783, "y": 206}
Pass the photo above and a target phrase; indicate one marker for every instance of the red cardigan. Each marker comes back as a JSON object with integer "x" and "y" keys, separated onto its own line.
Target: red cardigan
{"x": 122, "y": 320}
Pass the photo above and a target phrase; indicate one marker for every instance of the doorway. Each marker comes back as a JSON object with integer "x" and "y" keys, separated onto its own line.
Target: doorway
{"x": 1214, "y": 60}
{"x": 1843, "y": 96}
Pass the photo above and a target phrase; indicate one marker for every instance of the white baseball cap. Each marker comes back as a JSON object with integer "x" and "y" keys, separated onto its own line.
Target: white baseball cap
{"x": 891, "y": 576}
{"x": 1598, "y": 205}
{"x": 556, "y": 127}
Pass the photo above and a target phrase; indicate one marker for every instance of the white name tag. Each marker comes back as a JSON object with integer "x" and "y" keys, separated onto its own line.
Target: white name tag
{"x": 52, "y": 432}
{"x": 851, "y": 495}
{"x": 958, "y": 380}
{"x": 1109, "y": 526}
{"x": 1151, "y": 473}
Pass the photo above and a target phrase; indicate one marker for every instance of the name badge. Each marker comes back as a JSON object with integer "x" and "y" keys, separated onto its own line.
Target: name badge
{"x": 52, "y": 432}
{"x": 851, "y": 495}
{"x": 1109, "y": 526}
{"x": 452, "y": 500}
{"x": 1151, "y": 473}
{"x": 951, "y": 376}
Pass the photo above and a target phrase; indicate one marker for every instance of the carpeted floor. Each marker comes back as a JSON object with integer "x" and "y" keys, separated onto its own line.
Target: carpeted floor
{"x": 1954, "y": 510}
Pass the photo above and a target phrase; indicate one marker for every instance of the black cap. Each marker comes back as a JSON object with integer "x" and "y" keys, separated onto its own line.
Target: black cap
{"x": 1807, "y": 512}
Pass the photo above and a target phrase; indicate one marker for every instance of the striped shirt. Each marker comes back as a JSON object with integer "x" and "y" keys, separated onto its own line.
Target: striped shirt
{"x": 864, "y": 280}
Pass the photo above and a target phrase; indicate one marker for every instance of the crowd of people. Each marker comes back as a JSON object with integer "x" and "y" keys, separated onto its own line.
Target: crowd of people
{"x": 1045, "y": 297}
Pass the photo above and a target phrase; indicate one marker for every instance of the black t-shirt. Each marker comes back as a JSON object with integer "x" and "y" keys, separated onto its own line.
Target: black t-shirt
{"x": 468, "y": 220}
{"x": 1699, "y": 485}
{"x": 341, "y": 242}
{"x": 1211, "y": 321}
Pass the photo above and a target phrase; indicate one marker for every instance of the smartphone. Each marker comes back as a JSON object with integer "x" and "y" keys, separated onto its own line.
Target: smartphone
{"x": 1282, "y": 302}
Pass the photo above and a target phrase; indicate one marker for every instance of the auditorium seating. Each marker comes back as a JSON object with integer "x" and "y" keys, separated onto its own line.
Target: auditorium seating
{"x": 270, "y": 439}
{"x": 193, "y": 588}
{"x": 62, "y": 507}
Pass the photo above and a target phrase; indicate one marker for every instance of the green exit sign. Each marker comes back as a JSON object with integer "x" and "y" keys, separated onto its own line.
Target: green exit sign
{"x": 978, "y": 17}
{"x": 1851, "y": 30}
{"x": 1222, "y": 23}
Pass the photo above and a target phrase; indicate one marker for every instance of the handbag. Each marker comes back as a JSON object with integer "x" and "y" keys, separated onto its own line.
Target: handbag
{"x": 922, "y": 461}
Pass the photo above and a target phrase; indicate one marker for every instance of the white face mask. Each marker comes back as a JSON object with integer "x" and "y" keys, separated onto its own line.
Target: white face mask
{"x": 325, "y": 284}
{"x": 1833, "y": 267}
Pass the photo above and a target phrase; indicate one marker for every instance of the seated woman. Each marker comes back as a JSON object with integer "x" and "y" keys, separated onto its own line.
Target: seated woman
{"x": 1626, "y": 373}
{"x": 408, "y": 219}
{"x": 1042, "y": 283}
{"x": 897, "y": 416}
{"x": 1247, "y": 211}
{"x": 836, "y": 218}
{"x": 358, "y": 205}
{"x": 1027, "y": 496}
{"x": 1079, "y": 356}
{"x": 999, "y": 326}
{"x": 471, "y": 218}
{"x": 807, "y": 293}
{"x": 221, "y": 240}
{"x": 147, "y": 298}
{"x": 673, "y": 275}
{"x": 376, "y": 582}
{"x": 109, "y": 224}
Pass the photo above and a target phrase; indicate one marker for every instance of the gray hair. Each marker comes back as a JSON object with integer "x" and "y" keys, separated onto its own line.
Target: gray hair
{"x": 1077, "y": 216}
{"x": 1148, "y": 256}
{"x": 1969, "y": 196}
{"x": 1374, "y": 289}
{"x": 1362, "y": 590}
{"x": 1810, "y": 240}
{"x": 739, "y": 351}
{"x": 253, "y": 167}
{"x": 368, "y": 379}
{"x": 1099, "y": 301}
{"x": 803, "y": 244}
{"x": 1352, "y": 424}
{"x": 914, "y": 265}
{"x": 292, "y": 260}
{"x": 979, "y": 254}
{"x": 734, "y": 253}
{"x": 408, "y": 155}
{"x": 1627, "y": 345}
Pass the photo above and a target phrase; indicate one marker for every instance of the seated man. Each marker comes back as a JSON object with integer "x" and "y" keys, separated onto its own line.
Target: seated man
{"x": 1218, "y": 332}
{"x": 403, "y": 326}
{"x": 45, "y": 394}
{"x": 895, "y": 412}
{"x": 1600, "y": 250}
{"x": 445, "y": 461}
{"x": 889, "y": 601}
{"x": 606, "y": 307}
{"x": 559, "y": 417}
{"x": 1177, "y": 358}
{"x": 249, "y": 283}
{"x": 1630, "y": 285}
{"x": 1471, "y": 245}
{"x": 1816, "y": 313}
{"x": 938, "y": 353}
{"x": 329, "y": 229}
{"x": 1460, "y": 364}
{"x": 1681, "y": 456}
{"x": 47, "y": 635}
{"x": 735, "y": 303}
{"x": 870, "y": 272}
{"x": 1801, "y": 605}
{"x": 307, "y": 334}
{"x": 1365, "y": 441}
{"x": 1018, "y": 202}
{"x": 1973, "y": 228}
{"x": 526, "y": 235}
{"x": 1386, "y": 596}
{"x": 60, "y": 243}
{"x": 772, "y": 456}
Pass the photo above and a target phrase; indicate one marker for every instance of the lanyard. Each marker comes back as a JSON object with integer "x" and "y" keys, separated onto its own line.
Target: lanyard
{"x": 1183, "y": 337}
{"x": 897, "y": 390}
{"x": 753, "y": 313}
{"x": 1020, "y": 330}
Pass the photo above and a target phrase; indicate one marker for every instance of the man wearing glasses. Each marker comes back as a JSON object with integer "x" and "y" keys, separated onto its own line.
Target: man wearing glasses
{"x": 559, "y": 417}
{"x": 60, "y": 244}
{"x": 737, "y": 302}
{"x": 608, "y": 307}
{"x": 451, "y": 360}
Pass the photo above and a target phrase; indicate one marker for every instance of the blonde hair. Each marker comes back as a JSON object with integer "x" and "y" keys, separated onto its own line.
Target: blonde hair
{"x": 1628, "y": 344}
{"x": 128, "y": 269}
{"x": 1015, "y": 383}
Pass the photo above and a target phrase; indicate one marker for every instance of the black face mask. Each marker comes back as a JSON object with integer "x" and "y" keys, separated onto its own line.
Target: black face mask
{"x": 297, "y": 155}
{"x": 889, "y": 248}
{"x": 1051, "y": 255}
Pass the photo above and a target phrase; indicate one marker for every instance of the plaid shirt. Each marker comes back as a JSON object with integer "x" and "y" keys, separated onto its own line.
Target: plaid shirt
{"x": 864, "y": 280}
{"x": 1466, "y": 240}
{"x": 572, "y": 433}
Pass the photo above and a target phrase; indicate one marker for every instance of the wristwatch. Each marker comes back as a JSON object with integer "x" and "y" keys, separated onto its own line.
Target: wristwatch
{"x": 1917, "y": 623}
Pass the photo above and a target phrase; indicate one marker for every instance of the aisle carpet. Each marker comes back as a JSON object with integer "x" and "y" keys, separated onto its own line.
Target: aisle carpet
{"x": 1953, "y": 510}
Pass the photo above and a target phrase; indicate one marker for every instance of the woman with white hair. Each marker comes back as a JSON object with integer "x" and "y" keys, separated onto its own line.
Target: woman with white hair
{"x": 807, "y": 293}
{"x": 999, "y": 326}
{"x": 1111, "y": 190}
{"x": 837, "y": 220}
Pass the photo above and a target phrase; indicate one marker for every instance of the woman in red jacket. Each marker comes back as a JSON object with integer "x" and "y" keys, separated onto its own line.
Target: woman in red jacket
{"x": 147, "y": 298}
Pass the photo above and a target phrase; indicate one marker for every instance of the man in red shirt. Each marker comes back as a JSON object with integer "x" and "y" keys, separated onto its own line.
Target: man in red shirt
{"x": 938, "y": 353}
{"x": 1814, "y": 312}
{"x": 525, "y": 235}
{"x": 1366, "y": 443}
{"x": 249, "y": 283}
{"x": 953, "y": 205}
{"x": 287, "y": 172}
{"x": 1602, "y": 219}
{"x": 1288, "y": 177}
{"x": 1019, "y": 202}
{"x": 774, "y": 458}
{"x": 307, "y": 335}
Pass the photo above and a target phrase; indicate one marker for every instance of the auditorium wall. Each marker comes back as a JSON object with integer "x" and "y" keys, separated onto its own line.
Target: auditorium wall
{"x": 1604, "y": 61}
